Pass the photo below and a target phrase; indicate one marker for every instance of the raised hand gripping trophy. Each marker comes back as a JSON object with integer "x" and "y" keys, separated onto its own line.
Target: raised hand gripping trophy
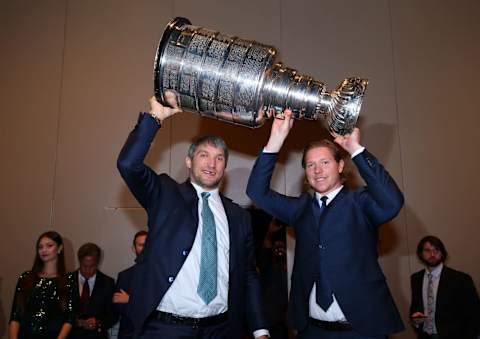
{"x": 239, "y": 81}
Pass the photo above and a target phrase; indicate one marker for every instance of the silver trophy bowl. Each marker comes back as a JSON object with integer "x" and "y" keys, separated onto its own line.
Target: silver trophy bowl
{"x": 240, "y": 81}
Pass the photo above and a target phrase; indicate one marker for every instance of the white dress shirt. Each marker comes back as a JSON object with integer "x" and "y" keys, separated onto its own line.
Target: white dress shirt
{"x": 81, "y": 281}
{"x": 182, "y": 298}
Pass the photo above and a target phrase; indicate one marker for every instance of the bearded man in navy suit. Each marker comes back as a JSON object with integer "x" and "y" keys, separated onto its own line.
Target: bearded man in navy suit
{"x": 338, "y": 288}
{"x": 169, "y": 297}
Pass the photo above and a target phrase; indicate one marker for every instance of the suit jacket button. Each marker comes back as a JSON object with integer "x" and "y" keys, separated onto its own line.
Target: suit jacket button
{"x": 170, "y": 279}
{"x": 322, "y": 247}
{"x": 184, "y": 253}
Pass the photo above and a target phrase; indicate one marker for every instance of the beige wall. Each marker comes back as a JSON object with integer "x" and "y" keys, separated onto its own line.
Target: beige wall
{"x": 74, "y": 74}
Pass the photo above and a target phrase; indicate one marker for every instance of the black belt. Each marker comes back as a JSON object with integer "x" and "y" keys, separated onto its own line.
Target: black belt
{"x": 331, "y": 325}
{"x": 174, "y": 319}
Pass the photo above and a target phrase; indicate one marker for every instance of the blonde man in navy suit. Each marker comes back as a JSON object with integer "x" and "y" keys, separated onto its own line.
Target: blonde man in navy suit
{"x": 338, "y": 288}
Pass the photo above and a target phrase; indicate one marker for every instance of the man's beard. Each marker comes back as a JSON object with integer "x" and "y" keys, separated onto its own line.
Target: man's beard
{"x": 433, "y": 262}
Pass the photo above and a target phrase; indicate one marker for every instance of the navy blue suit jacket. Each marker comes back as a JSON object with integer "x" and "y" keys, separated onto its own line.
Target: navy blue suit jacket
{"x": 99, "y": 306}
{"x": 172, "y": 210}
{"x": 457, "y": 309}
{"x": 343, "y": 245}
{"x": 124, "y": 282}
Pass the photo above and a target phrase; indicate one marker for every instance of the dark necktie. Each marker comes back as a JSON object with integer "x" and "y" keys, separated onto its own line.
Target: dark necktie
{"x": 207, "y": 283}
{"x": 85, "y": 296}
{"x": 323, "y": 290}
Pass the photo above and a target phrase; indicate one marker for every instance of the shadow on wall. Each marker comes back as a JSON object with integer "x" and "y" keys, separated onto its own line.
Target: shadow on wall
{"x": 3, "y": 317}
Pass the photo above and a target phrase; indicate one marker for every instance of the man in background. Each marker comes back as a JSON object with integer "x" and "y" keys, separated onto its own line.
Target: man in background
{"x": 123, "y": 287}
{"x": 444, "y": 303}
{"x": 95, "y": 313}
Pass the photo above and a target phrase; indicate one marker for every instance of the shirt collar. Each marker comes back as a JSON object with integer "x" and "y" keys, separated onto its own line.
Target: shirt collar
{"x": 436, "y": 271}
{"x": 82, "y": 278}
{"x": 214, "y": 194}
{"x": 330, "y": 195}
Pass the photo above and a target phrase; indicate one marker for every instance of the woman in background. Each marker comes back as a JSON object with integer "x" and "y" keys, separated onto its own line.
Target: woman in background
{"x": 43, "y": 305}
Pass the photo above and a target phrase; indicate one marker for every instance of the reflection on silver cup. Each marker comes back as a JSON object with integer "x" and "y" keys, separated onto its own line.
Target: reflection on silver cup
{"x": 240, "y": 81}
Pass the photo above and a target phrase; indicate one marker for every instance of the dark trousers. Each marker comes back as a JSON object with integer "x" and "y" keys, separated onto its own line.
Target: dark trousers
{"x": 314, "y": 332}
{"x": 155, "y": 329}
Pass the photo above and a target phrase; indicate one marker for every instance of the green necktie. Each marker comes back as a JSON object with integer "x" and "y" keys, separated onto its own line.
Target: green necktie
{"x": 207, "y": 284}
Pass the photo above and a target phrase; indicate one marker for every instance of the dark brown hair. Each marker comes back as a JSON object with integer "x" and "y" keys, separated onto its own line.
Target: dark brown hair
{"x": 34, "y": 275}
{"x": 436, "y": 243}
{"x": 138, "y": 234}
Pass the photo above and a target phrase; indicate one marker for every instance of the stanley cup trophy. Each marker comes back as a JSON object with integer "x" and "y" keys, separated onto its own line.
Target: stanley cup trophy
{"x": 240, "y": 81}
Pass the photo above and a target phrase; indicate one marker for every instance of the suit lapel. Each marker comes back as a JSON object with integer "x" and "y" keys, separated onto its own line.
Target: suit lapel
{"x": 338, "y": 198}
{"x": 418, "y": 288}
{"x": 191, "y": 199}
{"x": 97, "y": 289}
{"x": 442, "y": 287}
{"x": 233, "y": 230}
{"x": 320, "y": 217}
{"x": 316, "y": 209}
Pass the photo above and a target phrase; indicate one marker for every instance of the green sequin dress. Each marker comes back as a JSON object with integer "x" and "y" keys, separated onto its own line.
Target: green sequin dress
{"x": 43, "y": 315}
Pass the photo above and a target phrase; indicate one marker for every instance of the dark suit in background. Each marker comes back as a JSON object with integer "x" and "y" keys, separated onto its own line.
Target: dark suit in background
{"x": 274, "y": 280}
{"x": 344, "y": 246}
{"x": 99, "y": 306}
{"x": 457, "y": 311}
{"x": 172, "y": 210}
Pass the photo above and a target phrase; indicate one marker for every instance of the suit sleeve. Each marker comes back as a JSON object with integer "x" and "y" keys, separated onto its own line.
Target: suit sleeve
{"x": 416, "y": 286}
{"x": 381, "y": 199}
{"x": 472, "y": 307}
{"x": 258, "y": 189}
{"x": 108, "y": 317}
{"x": 120, "y": 284}
{"x": 140, "y": 179}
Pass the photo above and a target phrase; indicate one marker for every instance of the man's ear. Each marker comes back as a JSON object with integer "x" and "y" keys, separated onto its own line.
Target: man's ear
{"x": 341, "y": 165}
{"x": 188, "y": 162}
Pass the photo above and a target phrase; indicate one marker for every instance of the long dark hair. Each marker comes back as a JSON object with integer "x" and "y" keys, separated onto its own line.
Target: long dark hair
{"x": 37, "y": 267}
{"x": 34, "y": 275}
